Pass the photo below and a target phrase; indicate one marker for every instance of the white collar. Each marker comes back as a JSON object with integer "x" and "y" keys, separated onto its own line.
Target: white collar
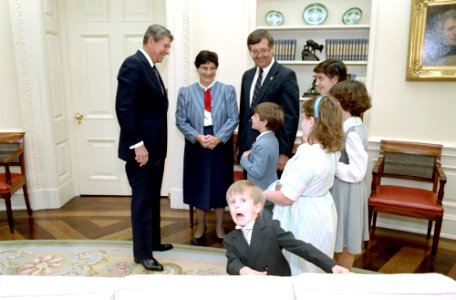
{"x": 352, "y": 121}
{"x": 147, "y": 57}
{"x": 263, "y": 133}
{"x": 246, "y": 227}
{"x": 206, "y": 88}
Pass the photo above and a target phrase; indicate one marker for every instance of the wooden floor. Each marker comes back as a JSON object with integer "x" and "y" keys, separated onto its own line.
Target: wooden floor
{"x": 108, "y": 218}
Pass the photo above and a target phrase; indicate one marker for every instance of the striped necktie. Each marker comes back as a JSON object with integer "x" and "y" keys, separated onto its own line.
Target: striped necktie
{"x": 257, "y": 85}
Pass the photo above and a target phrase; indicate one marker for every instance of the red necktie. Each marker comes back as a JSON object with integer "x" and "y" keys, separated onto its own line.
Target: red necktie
{"x": 207, "y": 100}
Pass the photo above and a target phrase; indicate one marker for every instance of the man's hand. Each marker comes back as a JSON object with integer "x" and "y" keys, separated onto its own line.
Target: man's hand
{"x": 246, "y": 153}
{"x": 282, "y": 162}
{"x": 141, "y": 155}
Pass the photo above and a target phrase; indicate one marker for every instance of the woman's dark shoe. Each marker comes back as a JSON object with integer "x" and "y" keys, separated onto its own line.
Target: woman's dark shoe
{"x": 200, "y": 240}
{"x": 220, "y": 239}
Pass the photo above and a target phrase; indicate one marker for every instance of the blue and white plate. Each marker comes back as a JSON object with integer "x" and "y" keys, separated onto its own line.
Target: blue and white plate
{"x": 352, "y": 16}
{"x": 315, "y": 14}
{"x": 274, "y": 18}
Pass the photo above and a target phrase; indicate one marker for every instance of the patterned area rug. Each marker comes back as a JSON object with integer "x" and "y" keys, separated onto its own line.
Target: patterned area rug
{"x": 102, "y": 259}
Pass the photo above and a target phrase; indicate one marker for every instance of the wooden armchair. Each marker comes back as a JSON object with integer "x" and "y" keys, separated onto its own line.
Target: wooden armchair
{"x": 12, "y": 155}
{"x": 413, "y": 162}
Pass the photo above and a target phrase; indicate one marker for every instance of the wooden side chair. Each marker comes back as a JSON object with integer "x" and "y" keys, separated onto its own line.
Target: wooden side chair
{"x": 407, "y": 161}
{"x": 12, "y": 155}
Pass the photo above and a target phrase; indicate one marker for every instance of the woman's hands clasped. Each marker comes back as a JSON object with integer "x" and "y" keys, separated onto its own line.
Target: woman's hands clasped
{"x": 208, "y": 141}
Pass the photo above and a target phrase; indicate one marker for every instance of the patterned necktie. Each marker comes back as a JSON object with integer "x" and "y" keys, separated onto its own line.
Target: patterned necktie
{"x": 207, "y": 100}
{"x": 160, "y": 82}
{"x": 257, "y": 85}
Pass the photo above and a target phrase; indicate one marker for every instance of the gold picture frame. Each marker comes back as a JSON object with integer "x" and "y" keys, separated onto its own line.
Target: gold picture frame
{"x": 431, "y": 53}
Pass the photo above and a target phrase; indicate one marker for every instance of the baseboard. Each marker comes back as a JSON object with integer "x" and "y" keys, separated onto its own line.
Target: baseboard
{"x": 176, "y": 199}
{"x": 42, "y": 198}
{"x": 416, "y": 225}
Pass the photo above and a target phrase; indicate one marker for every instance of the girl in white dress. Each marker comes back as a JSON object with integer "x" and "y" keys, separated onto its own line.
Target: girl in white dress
{"x": 304, "y": 204}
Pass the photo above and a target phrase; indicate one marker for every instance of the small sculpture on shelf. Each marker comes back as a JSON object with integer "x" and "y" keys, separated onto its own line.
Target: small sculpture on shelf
{"x": 308, "y": 53}
{"x": 313, "y": 91}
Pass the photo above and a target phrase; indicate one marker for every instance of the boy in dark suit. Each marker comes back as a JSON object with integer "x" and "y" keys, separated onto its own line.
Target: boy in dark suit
{"x": 255, "y": 247}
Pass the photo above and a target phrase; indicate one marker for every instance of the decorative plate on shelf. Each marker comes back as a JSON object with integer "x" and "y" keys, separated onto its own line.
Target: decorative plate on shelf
{"x": 315, "y": 14}
{"x": 352, "y": 16}
{"x": 274, "y": 18}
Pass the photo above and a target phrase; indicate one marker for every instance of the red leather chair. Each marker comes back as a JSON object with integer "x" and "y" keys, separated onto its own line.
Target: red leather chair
{"x": 412, "y": 162}
{"x": 12, "y": 155}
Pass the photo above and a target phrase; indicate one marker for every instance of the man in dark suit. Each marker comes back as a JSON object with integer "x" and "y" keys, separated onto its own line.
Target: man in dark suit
{"x": 141, "y": 107}
{"x": 255, "y": 246}
{"x": 278, "y": 84}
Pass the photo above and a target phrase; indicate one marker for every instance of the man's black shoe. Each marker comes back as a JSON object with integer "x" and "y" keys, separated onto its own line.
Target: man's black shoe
{"x": 162, "y": 247}
{"x": 150, "y": 264}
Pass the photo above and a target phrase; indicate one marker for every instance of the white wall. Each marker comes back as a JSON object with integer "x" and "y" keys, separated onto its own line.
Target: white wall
{"x": 413, "y": 110}
{"x": 10, "y": 119}
{"x": 225, "y": 33}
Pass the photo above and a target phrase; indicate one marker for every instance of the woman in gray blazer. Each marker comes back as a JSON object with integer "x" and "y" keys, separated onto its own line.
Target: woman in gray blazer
{"x": 207, "y": 115}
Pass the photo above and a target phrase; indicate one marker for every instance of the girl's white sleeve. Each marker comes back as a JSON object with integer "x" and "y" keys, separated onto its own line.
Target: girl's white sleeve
{"x": 356, "y": 168}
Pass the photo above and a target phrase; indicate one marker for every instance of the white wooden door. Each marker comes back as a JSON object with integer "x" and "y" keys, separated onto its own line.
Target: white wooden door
{"x": 101, "y": 34}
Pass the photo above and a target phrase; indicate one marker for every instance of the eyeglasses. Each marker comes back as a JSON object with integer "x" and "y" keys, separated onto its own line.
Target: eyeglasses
{"x": 263, "y": 51}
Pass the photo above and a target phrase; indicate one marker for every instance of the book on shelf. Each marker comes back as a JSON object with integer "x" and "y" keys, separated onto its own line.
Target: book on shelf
{"x": 285, "y": 49}
{"x": 347, "y": 49}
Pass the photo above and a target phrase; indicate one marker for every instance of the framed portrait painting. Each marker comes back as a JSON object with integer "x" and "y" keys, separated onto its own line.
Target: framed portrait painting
{"x": 432, "y": 40}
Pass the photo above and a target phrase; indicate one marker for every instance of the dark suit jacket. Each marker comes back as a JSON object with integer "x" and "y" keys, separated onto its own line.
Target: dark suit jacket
{"x": 141, "y": 110}
{"x": 265, "y": 250}
{"x": 280, "y": 86}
